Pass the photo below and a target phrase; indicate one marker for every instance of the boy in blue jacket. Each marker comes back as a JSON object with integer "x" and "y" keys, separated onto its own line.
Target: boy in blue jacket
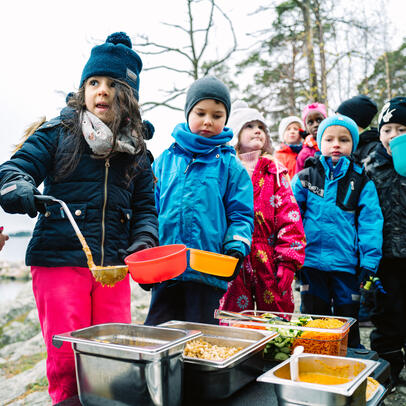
{"x": 204, "y": 199}
{"x": 342, "y": 221}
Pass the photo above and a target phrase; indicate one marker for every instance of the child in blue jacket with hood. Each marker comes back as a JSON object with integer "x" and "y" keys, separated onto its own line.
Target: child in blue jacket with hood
{"x": 342, "y": 221}
{"x": 204, "y": 199}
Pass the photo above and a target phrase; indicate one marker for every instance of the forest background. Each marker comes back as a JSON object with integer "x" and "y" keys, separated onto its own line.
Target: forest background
{"x": 277, "y": 55}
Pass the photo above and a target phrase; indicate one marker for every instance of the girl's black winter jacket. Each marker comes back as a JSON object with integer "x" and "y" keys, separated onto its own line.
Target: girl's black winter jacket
{"x": 109, "y": 211}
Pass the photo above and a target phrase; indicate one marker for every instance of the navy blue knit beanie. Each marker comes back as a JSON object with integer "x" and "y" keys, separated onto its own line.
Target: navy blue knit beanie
{"x": 208, "y": 87}
{"x": 115, "y": 58}
{"x": 393, "y": 111}
{"x": 360, "y": 108}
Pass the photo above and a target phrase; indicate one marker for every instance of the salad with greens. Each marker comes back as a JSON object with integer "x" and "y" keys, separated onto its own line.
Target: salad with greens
{"x": 280, "y": 348}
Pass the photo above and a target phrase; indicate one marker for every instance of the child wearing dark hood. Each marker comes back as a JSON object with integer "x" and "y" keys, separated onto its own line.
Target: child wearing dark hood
{"x": 389, "y": 336}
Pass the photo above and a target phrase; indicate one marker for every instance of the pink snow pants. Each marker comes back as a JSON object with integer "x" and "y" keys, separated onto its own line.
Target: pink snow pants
{"x": 68, "y": 298}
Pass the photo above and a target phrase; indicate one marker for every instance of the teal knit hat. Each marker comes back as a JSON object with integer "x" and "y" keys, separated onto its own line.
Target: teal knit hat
{"x": 115, "y": 58}
{"x": 342, "y": 121}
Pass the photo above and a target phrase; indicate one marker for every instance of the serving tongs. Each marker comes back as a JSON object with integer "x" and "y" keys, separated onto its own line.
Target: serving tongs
{"x": 228, "y": 315}
{"x": 106, "y": 275}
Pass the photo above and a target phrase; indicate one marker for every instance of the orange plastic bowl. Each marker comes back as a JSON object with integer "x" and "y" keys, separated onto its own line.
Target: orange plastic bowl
{"x": 212, "y": 263}
{"x": 157, "y": 264}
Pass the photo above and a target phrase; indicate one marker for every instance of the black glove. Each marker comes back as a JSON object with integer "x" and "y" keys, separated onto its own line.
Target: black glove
{"x": 236, "y": 254}
{"x": 364, "y": 276}
{"x": 146, "y": 286}
{"x": 141, "y": 242}
{"x": 18, "y": 197}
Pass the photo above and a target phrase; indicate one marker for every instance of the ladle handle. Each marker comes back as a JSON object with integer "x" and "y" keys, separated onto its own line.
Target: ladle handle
{"x": 51, "y": 199}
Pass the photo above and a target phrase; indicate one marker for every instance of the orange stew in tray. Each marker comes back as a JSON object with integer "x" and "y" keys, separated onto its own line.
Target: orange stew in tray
{"x": 317, "y": 334}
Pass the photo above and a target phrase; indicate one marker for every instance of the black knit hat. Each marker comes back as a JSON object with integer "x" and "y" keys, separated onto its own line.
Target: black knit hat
{"x": 208, "y": 87}
{"x": 115, "y": 58}
{"x": 360, "y": 108}
{"x": 394, "y": 111}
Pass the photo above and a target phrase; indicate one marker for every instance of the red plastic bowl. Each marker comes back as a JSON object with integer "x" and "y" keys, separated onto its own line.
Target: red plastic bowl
{"x": 157, "y": 264}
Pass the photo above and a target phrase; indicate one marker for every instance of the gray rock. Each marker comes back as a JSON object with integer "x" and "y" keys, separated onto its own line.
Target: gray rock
{"x": 34, "y": 399}
{"x": 32, "y": 346}
{"x": 12, "y": 388}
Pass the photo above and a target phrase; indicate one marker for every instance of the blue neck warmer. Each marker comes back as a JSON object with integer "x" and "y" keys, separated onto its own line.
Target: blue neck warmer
{"x": 196, "y": 143}
{"x": 296, "y": 148}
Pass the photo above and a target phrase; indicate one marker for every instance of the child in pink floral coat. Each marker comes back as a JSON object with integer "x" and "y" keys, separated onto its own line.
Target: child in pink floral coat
{"x": 278, "y": 241}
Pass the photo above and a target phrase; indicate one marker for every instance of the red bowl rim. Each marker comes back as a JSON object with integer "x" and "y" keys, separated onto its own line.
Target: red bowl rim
{"x": 182, "y": 247}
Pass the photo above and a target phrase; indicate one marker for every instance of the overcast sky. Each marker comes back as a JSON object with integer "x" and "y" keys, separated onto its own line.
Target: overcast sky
{"x": 45, "y": 43}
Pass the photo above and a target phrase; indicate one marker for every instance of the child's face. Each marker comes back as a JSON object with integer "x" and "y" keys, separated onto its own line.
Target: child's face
{"x": 389, "y": 132}
{"x": 291, "y": 135}
{"x": 336, "y": 142}
{"x": 313, "y": 120}
{"x": 207, "y": 118}
{"x": 252, "y": 137}
{"x": 99, "y": 97}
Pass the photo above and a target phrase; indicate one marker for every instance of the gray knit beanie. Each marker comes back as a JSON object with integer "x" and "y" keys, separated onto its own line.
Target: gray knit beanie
{"x": 208, "y": 87}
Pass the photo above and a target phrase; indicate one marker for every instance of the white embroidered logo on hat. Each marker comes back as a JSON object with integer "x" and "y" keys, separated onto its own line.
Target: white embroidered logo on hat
{"x": 387, "y": 116}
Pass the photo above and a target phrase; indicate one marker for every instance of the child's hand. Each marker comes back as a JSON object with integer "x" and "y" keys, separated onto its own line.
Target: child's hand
{"x": 3, "y": 238}
{"x": 240, "y": 256}
{"x": 142, "y": 242}
{"x": 18, "y": 197}
{"x": 284, "y": 277}
{"x": 364, "y": 276}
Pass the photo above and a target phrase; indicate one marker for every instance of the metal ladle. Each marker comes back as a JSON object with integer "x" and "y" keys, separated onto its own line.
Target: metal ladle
{"x": 106, "y": 275}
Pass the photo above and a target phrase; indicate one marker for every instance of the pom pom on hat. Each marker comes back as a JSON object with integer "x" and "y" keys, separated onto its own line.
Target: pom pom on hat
{"x": 115, "y": 58}
{"x": 342, "y": 121}
{"x": 120, "y": 38}
{"x": 240, "y": 115}
{"x": 149, "y": 129}
{"x": 285, "y": 123}
{"x": 360, "y": 108}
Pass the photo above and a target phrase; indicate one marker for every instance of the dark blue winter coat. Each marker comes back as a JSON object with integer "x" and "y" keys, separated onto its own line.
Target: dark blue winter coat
{"x": 109, "y": 210}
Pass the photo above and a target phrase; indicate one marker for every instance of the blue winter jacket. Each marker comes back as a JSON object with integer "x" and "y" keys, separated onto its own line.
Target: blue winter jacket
{"x": 109, "y": 211}
{"x": 343, "y": 226}
{"x": 204, "y": 201}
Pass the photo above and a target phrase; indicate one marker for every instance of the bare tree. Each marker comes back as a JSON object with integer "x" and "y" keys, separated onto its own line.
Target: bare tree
{"x": 195, "y": 54}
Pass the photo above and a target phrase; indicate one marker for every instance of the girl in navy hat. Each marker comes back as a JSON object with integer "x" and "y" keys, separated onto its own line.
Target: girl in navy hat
{"x": 342, "y": 222}
{"x": 93, "y": 157}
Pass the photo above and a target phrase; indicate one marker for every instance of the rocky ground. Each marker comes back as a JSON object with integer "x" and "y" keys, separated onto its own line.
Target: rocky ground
{"x": 22, "y": 352}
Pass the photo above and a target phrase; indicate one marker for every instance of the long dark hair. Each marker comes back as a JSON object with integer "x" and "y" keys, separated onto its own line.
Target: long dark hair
{"x": 127, "y": 117}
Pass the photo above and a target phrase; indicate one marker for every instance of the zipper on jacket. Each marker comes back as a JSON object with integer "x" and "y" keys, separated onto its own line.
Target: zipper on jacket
{"x": 190, "y": 163}
{"x": 351, "y": 188}
{"x": 107, "y": 166}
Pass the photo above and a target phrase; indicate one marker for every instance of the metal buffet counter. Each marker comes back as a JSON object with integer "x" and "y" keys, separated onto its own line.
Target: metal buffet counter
{"x": 263, "y": 394}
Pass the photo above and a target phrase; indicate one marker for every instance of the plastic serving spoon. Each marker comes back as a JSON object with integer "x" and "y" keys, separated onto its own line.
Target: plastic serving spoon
{"x": 106, "y": 275}
{"x": 294, "y": 364}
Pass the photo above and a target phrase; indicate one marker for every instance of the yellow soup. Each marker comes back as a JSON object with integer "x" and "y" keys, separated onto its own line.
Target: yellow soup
{"x": 322, "y": 379}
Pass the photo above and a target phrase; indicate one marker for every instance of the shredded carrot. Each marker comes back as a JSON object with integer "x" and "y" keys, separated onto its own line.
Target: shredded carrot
{"x": 317, "y": 342}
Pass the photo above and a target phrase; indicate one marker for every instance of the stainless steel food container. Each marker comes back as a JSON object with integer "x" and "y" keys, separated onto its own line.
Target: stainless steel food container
{"x": 291, "y": 393}
{"x": 212, "y": 380}
{"x": 127, "y": 364}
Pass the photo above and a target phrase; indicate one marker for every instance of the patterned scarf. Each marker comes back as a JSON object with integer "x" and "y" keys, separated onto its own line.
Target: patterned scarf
{"x": 100, "y": 138}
